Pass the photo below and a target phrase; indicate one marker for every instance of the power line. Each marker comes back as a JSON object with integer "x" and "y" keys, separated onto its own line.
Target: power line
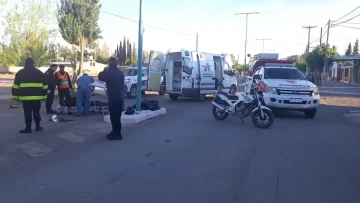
{"x": 348, "y": 13}
{"x": 347, "y": 20}
{"x": 348, "y": 26}
{"x": 135, "y": 21}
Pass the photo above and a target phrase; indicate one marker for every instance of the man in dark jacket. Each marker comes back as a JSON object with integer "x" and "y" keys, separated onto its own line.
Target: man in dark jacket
{"x": 30, "y": 88}
{"x": 114, "y": 79}
{"x": 64, "y": 85}
{"x": 51, "y": 81}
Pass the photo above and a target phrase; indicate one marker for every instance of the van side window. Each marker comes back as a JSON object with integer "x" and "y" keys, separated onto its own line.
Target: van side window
{"x": 187, "y": 66}
{"x": 227, "y": 69}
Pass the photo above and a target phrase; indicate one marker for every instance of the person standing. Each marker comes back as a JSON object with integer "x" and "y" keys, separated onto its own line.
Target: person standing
{"x": 83, "y": 94}
{"x": 114, "y": 79}
{"x": 51, "y": 81}
{"x": 30, "y": 88}
{"x": 64, "y": 85}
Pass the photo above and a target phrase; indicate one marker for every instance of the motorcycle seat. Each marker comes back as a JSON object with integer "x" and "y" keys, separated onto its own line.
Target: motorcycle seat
{"x": 229, "y": 96}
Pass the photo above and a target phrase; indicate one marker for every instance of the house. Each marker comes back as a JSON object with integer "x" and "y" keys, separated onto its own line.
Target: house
{"x": 336, "y": 71}
{"x": 347, "y": 72}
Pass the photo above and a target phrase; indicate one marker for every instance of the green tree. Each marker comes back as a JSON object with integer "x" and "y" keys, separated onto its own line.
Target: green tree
{"x": 129, "y": 52}
{"x": 348, "y": 51}
{"x": 78, "y": 24}
{"x": 315, "y": 59}
{"x": 301, "y": 66}
{"x": 356, "y": 48}
{"x": 101, "y": 54}
{"x": 65, "y": 53}
{"x": 134, "y": 54}
{"x": 124, "y": 56}
{"x": 27, "y": 34}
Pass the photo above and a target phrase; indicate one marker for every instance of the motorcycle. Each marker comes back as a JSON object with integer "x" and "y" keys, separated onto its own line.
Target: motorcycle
{"x": 243, "y": 105}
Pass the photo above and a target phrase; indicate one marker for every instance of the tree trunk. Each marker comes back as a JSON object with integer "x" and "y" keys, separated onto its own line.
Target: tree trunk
{"x": 81, "y": 58}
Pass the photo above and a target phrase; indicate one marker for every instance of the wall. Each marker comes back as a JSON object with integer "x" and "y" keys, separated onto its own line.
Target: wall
{"x": 94, "y": 70}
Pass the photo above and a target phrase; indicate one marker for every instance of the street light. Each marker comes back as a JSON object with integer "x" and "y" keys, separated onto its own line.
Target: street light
{"x": 247, "y": 14}
{"x": 140, "y": 56}
{"x": 263, "y": 42}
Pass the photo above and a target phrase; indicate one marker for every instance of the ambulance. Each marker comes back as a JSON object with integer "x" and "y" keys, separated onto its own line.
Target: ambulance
{"x": 194, "y": 74}
{"x": 284, "y": 86}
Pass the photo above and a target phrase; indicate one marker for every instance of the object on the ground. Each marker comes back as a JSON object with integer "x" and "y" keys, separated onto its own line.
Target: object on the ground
{"x": 14, "y": 106}
{"x": 99, "y": 84}
{"x": 129, "y": 110}
{"x": 56, "y": 119}
{"x": 96, "y": 106}
{"x": 152, "y": 105}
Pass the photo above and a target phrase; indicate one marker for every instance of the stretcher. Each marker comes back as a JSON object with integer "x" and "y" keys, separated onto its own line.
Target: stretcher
{"x": 96, "y": 107}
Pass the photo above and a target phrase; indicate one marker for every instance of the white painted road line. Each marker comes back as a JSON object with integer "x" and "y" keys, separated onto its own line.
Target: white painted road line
{"x": 35, "y": 149}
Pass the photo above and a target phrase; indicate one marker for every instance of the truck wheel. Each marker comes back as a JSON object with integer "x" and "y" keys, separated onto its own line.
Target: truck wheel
{"x": 202, "y": 97}
{"x": 232, "y": 89}
{"x": 173, "y": 96}
{"x": 132, "y": 93}
{"x": 310, "y": 113}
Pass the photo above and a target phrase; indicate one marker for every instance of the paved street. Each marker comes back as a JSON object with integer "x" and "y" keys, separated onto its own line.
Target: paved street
{"x": 188, "y": 156}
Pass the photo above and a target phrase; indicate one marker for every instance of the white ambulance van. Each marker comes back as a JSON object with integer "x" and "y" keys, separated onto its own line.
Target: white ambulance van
{"x": 192, "y": 74}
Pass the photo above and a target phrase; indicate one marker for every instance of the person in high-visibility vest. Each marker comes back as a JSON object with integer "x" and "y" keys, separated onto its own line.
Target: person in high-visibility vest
{"x": 64, "y": 85}
{"x": 30, "y": 88}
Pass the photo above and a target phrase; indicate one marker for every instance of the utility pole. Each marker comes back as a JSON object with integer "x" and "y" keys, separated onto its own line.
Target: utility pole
{"x": 247, "y": 15}
{"x": 320, "y": 36}
{"x": 308, "y": 46}
{"x": 326, "y": 50}
{"x": 309, "y": 28}
{"x": 263, "y": 42}
{"x": 197, "y": 42}
{"x": 140, "y": 55}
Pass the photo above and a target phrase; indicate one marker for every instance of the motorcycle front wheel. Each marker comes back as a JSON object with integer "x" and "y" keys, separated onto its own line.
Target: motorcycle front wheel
{"x": 262, "y": 122}
{"x": 219, "y": 114}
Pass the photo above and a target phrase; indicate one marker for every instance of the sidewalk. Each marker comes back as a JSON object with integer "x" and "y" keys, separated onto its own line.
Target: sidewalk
{"x": 338, "y": 84}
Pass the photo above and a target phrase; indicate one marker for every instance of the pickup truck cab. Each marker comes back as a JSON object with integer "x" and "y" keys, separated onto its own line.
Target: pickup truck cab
{"x": 286, "y": 87}
{"x": 131, "y": 80}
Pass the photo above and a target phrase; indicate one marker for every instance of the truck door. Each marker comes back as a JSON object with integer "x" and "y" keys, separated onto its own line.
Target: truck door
{"x": 186, "y": 69}
{"x": 207, "y": 73}
{"x": 155, "y": 66}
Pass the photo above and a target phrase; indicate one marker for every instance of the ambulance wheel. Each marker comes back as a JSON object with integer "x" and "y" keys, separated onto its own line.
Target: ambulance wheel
{"x": 162, "y": 90}
{"x": 310, "y": 113}
{"x": 173, "y": 96}
{"x": 202, "y": 97}
{"x": 232, "y": 89}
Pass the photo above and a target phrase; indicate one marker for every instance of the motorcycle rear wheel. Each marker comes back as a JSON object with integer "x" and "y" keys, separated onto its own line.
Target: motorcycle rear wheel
{"x": 218, "y": 114}
{"x": 264, "y": 122}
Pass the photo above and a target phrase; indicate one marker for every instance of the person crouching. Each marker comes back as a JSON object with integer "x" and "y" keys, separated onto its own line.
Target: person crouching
{"x": 83, "y": 94}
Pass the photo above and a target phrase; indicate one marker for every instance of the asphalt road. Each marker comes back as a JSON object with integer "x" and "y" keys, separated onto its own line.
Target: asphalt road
{"x": 188, "y": 156}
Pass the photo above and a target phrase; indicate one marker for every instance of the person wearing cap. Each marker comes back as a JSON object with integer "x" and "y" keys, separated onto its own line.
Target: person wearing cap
{"x": 83, "y": 94}
{"x": 30, "y": 88}
{"x": 51, "y": 81}
{"x": 64, "y": 85}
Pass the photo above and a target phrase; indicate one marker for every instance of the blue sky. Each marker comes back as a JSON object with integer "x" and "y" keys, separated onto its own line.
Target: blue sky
{"x": 221, "y": 31}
